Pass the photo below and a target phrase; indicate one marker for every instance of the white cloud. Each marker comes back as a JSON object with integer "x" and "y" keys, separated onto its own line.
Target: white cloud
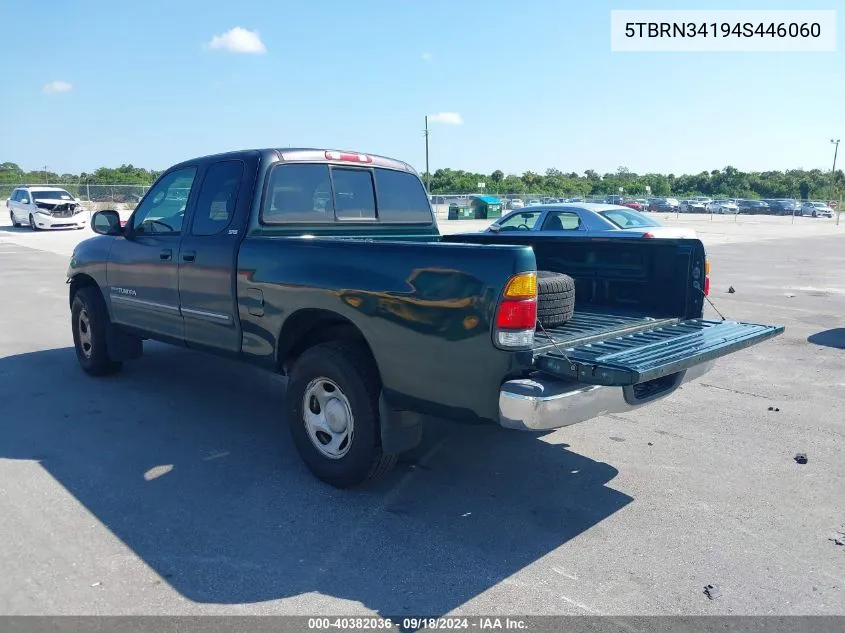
{"x": 237, "y": 40}
{"x": 450, "y": 118}
{"x": 56, "y": 86}
{"x": 427, "y": 57}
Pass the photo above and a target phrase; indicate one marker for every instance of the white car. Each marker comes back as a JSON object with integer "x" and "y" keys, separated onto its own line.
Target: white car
{"x": 516, "y": 203}
{"x": 816, "y": 210}
{"x": 722, "y": 206}
{"x": 46, "y": 208}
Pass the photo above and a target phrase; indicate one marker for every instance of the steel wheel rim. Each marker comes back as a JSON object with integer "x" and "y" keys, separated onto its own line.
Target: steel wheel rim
{"x": 328, "y": 419}
{"x": 83, "y": 328}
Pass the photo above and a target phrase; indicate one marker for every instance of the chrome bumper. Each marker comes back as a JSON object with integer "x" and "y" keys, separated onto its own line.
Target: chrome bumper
{"x": 542, "y": 403}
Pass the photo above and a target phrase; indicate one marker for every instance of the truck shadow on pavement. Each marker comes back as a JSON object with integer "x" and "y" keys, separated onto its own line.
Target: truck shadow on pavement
{"x": 186, "y": 459}
{"x": 829, "y": 338}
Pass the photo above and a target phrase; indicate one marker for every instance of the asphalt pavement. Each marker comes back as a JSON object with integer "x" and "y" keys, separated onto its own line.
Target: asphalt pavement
{"x": 173, "y": 488}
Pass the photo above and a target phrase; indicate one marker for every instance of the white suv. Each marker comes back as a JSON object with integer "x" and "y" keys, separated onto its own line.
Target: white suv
{"x": 46, "y": 208}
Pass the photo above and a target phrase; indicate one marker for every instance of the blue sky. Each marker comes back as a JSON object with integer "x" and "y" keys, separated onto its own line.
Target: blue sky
{"x": 534, "y": 82}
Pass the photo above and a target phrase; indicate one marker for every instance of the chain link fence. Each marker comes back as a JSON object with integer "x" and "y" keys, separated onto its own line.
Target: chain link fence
{"x": 126, "y": 195}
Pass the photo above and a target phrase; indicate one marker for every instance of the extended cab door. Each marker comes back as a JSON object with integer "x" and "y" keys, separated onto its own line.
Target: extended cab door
{"x": 208, "y": 254}
{"x": 142, "y": 270}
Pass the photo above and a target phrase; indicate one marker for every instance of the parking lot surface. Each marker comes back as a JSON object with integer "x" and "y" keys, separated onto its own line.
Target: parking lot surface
{"x": 173, "y": 488}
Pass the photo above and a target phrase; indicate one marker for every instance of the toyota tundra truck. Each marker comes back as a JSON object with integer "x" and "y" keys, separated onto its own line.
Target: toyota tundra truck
{"x": 328, "y": 267}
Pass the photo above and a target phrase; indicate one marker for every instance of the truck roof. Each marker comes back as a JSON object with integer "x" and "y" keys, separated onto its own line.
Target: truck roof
{"x": 307, "y": 154}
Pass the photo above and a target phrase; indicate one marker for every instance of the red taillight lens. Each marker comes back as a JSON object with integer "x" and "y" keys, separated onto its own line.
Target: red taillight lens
{"x": 707, "y": 286}
{"x": 517, "y": 315}
{"x": 648, "y": 234}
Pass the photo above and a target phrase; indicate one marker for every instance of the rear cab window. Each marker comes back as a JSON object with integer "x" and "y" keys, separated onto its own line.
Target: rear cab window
{"x": 317, "y": 193}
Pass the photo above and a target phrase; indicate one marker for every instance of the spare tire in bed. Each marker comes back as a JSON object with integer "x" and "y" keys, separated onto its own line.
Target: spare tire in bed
{"x": 555, "y": 298}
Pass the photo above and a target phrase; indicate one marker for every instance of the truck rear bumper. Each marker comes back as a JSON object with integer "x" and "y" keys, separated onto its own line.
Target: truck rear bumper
{"x": 543, "y": 403}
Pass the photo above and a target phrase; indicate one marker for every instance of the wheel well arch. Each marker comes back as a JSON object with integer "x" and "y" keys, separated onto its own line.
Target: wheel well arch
{"x": 79, "y": 281}
{"x": 308, "y": 327}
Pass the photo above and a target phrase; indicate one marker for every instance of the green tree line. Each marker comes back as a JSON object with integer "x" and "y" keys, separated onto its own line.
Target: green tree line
{"x": 12, "y": 174}
{"x": 727, "y": 182}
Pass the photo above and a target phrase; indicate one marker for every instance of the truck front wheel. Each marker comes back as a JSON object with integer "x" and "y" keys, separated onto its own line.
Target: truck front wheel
{"x": 89, "y": 320}
{"x": 333, "y": 413}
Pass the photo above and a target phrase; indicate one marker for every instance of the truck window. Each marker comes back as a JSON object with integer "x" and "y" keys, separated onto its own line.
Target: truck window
{"x": 353, "y": 194}
{"x": 319, "y": 193}
{"x": 298, "y": 193}
{"x": 217, "y": 197}
{"x": 401, "y": 197}
{"x": 163, "y": 208}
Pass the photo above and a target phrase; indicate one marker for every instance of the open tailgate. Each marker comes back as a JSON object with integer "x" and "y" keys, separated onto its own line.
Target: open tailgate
{"x": 654, "y": 353}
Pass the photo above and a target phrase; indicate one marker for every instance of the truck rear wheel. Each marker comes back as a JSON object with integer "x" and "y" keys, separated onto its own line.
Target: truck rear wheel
{"x": 333, "y": 413}
{"x": 89, "y": 320}
{"x": 555, "y": 298}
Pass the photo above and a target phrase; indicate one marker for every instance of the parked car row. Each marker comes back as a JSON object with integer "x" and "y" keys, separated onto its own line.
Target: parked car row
{"x": 767, "y": 206}
{"x": 697, "y": 204}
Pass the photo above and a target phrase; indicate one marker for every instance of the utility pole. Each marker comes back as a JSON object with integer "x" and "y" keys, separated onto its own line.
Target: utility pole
{"x": 835, "y": 152}
{"x": 45, "y": 175}
{"x": 427, "y": 173}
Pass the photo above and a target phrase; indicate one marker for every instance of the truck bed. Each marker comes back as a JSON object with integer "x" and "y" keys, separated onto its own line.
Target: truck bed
{"x": 590, "y": 325}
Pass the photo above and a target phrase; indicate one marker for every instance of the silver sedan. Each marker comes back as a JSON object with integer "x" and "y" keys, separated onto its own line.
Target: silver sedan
{"x": 587, "y": 220}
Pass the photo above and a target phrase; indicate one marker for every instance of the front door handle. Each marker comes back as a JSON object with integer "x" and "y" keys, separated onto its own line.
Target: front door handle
{"x": 189, "y": 256}
{"x": 165, "y": 254}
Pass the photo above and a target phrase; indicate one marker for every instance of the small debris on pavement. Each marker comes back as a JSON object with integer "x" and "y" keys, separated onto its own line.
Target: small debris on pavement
{"x": 801, "y": 458}
{"x": 651, "y": 443}
{"x": 731, "y": 290}
{"x": 790, "y": 296}
{"x": 773, "y": 409}
{"x": 97, "y": 584}
{"x": 838, "y": 538}
{"x": 712, "y": 591}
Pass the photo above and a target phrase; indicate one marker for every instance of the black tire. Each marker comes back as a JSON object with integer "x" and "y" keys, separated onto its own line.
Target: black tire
{"x": 90, "y": 340}
{"x": 555, "y": 298}
{"x": 351, "y": 368}
{"x": 32, "y": 224}
{"x": 15, "y": 223}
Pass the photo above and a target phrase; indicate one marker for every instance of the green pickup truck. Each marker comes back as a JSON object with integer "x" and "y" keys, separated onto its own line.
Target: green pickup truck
{"x": 329, "y": 267}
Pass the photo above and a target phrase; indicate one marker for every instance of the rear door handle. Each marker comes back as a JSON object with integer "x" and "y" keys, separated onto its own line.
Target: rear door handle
{"x": 165, "y": 254}
{"x": 189, "y": 256}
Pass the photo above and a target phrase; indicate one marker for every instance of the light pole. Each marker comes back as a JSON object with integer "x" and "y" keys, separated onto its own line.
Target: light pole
{"x": 427, "y": 174}
{"x": 835, "y": 152}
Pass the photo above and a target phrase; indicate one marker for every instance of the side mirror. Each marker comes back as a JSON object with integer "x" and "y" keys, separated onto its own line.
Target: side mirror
{"x": 24, "y": 200}
{"x": 106, "y": 223}
{"x": 495, "y": 228}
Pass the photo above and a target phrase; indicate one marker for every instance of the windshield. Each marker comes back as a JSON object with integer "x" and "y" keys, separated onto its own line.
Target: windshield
{"x": 627, "y": 219}
{"x": 521, "y": 221}
{"x": 51, "y": 195}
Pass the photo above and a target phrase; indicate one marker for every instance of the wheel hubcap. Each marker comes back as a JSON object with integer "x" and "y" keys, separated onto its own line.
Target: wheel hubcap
{"x": 328, "y": 418}
{"x": 84, "y": 330}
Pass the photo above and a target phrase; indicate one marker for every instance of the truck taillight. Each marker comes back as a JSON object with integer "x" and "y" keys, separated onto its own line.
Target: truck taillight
{"x": 348, "y": 157}
{"x": 706, "y": 278}
{"x": 516, "y": 314}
